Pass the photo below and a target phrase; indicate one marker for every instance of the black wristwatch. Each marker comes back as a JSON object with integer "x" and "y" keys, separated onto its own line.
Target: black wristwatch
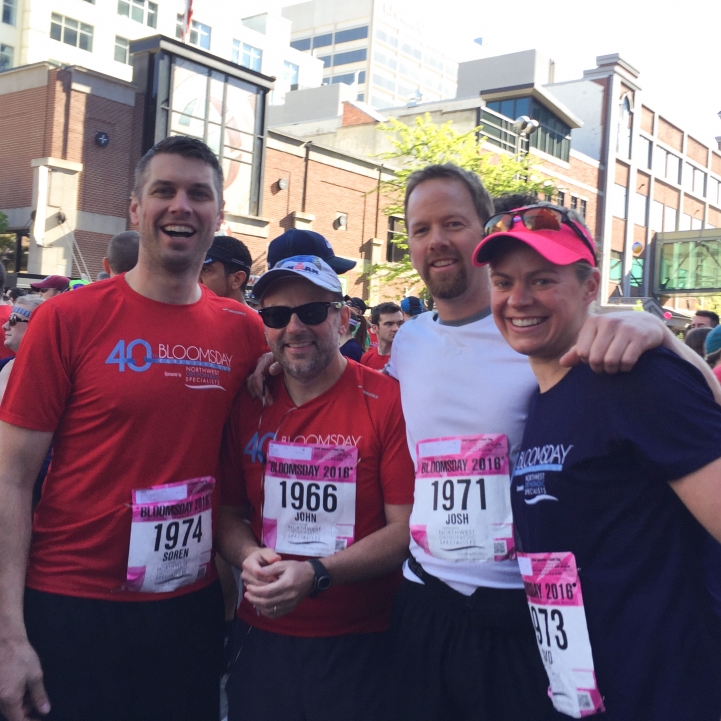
{"x": 322, "y": 580}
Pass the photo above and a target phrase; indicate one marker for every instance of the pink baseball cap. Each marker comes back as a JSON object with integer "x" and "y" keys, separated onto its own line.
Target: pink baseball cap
{"x": 563, "y": 244}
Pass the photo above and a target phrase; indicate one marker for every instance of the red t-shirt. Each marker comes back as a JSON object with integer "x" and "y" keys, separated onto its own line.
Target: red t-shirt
{"x": 362, "y": 409}
{"x": 137, "y": 393}
{"x": 5, "y": 311}
{"x": 372, "y": 359}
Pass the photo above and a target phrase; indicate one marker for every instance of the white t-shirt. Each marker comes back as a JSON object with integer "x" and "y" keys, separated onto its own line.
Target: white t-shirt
{"x": 460, "y": 379}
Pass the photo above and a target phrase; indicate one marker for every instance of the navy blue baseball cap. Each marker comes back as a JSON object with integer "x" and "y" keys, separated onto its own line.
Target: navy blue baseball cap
{"x": 306, "y": 242}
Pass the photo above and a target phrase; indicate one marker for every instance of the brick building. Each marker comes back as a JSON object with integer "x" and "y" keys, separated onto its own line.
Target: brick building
{"x": 72, "y": 137}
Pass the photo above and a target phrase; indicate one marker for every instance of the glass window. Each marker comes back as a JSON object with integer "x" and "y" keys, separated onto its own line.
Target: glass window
{"x": 574, "y": 202}
{"x": 396, "y": 230}
{"x": 235, "y": 53}
{"x": 412, "y": 51}
{"x": 696, "y": 224}
{"x": 387, "y": 36}
{"x": 636, "y": 278}
{"x": 350, "y": 78}
{"x": 623, "y": 141}
{"x": 152, "y": 17}
{"x": 656, "y": 219}
{"x": 361, "y": 96}
{"x": 383, "y": 82}
{"x": 71, "y": 32}
{"x": 7, "y": 53}
{"x": 326, "y": 59}
{"x": 561, "y": 198}
{"x": 619, "y": 200}
{"x": 659, "y": 161}
{"x": 251, "y": 57}
{"x": 303, "y": 44}
{"x": 669, "y": 220}
{"x": 714, "y": 190}
{"x": 122, "y": 50}
{"x": 644, "y": 150}
{"x": 684, "y": 222}
{"x": 200, "y": 35}
{"x": 673, "y": 168}
{"x": 583, "y": 208}
{"x": 699, "y": 182}
{"x": 388, "y": 60}
{"x": 124, "y": 8}
{"x": 640, "y": 209}
{"x": 353, "y": 56}
{"x": 616, "y": 266}
{"x": 687, "y": 177}
{"x": 345, "y": 36}
{"x": 323, "y": 41}
{"x": 290, "y": 73}
{"x": 10, "y": 11}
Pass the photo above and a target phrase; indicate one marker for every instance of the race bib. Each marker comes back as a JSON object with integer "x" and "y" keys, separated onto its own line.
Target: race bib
{"x": 171, "y": 536}
{"x": 462, "y": 502}
{"x": 553, "y": 590}
{"x": 309, "y": 506}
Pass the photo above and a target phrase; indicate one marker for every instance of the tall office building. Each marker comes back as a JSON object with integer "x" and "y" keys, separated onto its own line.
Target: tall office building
{"x": 380, "y": 45}
{"x": 96, "y": 34}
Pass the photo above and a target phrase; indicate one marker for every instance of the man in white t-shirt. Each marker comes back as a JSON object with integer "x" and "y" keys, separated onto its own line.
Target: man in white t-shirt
{"x": 463, "y": 646}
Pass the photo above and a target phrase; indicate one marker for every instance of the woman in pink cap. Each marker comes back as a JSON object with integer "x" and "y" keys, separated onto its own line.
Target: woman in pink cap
{"x": 616, "y": 486}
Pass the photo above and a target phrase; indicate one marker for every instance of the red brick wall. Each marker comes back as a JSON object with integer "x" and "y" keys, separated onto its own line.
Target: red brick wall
{"x": 670, "y": 134}
{"x": 697, "y": 151}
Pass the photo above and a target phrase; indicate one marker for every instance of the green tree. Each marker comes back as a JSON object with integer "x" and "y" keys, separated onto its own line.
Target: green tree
{"x": 424, "y": 143}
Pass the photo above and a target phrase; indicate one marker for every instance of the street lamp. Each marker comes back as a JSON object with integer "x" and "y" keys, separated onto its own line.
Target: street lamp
{"x": 524, "y": 127}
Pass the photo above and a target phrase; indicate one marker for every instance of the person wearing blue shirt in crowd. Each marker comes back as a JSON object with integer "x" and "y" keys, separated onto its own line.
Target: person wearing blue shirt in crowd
{"x": 615, "y": 490}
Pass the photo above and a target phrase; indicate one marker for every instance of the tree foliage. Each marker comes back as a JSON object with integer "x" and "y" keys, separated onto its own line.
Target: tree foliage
{"x": 425, "y": 143}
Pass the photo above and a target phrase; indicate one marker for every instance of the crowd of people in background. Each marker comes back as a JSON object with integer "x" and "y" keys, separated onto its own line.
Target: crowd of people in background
{"x": 501, "y": 509}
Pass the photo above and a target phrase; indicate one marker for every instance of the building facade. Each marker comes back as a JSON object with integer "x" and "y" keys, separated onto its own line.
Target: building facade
{"x": 71, "y": 139}
{"x": 96, "y": 34}
{"x": 381, "y": 47}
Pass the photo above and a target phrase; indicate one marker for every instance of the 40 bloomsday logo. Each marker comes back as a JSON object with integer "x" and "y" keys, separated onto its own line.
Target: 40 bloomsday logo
{"x": 202, "y": 365}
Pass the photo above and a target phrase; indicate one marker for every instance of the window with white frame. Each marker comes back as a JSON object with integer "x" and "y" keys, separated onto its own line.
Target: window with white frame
{"x": 199, "y": 34}
{"x": 620, "y": 195}
{"x": 684, "y": 222}
{"x": 141, "y": 11}
{"x": 71, "y": 32}
{"x": 669, "y": 219}
{"x": 640, "y": 209}
{"x": 699, "y": 182}
{"x": 10, "y": 9}
{"x": 290, "y": 74}
{"x": 623, "y": 141}
{"x": 714, "y": 191}
{"x": 251, "y": 57}
{"x": 122, "y": 50}
{"x": 7, "y": 54}
{"x": 673, "y": 168}
{"x": 656, "y": 219}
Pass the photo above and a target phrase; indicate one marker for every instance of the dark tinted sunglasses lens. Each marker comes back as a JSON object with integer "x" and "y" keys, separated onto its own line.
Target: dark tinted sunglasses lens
{"x": 499, "y": 224}
{"x": 312, "y": 313}
{"x": 277, "y": 317}
{"x": 542, "y": 219}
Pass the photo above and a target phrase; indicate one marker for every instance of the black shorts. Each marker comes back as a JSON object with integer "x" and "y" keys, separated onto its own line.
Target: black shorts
{"x": 129, "y": 661}
{"x": 460, "y": 658}
{"x": 288, "y": 678}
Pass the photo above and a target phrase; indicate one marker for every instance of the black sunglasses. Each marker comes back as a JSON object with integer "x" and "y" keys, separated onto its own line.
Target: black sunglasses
{"x": 538, "y": 217}
{"x": 278, "y": 316}
{"x": 15, "y": 319}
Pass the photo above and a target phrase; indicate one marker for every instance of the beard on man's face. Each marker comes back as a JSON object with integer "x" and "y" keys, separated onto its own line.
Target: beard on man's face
{"x": 448, "y": 287}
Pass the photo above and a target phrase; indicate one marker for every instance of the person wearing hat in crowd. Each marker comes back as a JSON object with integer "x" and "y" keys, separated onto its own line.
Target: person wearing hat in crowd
{"x": 352, "y": 343}
{"x": 51, "y": 286}
{"x": 411, "y": 307}
{"x": 321, "y": 558}
{"x": 713, "y": 351}
{"x": 306, "y": 242}
{"x": 226, "y": 269}
{"x": 616, "y": 484}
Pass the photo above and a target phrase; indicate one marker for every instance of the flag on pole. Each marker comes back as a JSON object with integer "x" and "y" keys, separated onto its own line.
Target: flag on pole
{"x": 187, "y": 18}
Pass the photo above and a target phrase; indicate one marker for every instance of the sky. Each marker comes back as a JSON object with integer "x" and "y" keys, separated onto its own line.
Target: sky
{"x": 675, "y": 46}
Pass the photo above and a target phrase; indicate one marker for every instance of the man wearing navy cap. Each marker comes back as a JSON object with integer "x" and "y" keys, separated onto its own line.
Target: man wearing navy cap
{"x": 306, "y": 242}
{"x": 226, "y": 268}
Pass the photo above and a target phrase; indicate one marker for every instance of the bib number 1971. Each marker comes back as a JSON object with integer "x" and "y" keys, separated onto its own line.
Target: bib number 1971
{"x": 462, "y": 506}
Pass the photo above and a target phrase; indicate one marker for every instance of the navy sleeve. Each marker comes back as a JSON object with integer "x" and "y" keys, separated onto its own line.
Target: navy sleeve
{"x": 667, "y": 412}
{"x": 352, "y": 349}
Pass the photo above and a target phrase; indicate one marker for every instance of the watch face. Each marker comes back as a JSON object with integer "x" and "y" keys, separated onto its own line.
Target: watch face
{"x": 324, "y": 583}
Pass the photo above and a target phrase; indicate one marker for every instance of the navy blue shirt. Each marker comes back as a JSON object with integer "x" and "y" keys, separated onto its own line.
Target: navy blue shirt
{"x": 592, "y": 478}
{"x": 352, "y": 349}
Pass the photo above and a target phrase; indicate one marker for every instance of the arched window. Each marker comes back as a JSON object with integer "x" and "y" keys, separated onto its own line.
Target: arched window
{"x": 625, "y": 120}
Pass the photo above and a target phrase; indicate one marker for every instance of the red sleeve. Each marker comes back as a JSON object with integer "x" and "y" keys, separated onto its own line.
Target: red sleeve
{"x": 232, "y": 478}
{"x": 42, "y": 375}
{"x": 396, "y": 471}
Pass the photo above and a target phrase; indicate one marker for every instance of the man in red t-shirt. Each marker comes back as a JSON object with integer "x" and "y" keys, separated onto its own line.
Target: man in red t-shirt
{"x": 386, "y": 320}
{"x": 326, "y": 481}
{"x": 132, "y": 379}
